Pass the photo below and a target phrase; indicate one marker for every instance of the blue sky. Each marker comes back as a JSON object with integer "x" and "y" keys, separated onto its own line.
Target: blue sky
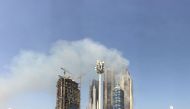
{"x": 152, "y": 34}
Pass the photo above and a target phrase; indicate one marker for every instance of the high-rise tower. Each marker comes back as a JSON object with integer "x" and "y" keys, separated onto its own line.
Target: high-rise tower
{"x": 68, "y": 94}
{"x": 127, "y": 86}
{"x": 118, "y": 98}
{"x": 93, "y": 104}
{"x": 109, "y": 83}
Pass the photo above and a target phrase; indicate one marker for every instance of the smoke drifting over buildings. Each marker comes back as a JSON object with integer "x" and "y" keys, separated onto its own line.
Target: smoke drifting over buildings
{"x": 33, "y": 70}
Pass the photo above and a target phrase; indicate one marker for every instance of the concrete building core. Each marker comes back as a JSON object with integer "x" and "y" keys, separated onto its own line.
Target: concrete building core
{"x": 68, "y": 94}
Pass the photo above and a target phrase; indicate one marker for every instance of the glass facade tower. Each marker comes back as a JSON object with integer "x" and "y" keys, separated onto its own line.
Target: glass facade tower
{"x": 118, "y": 98}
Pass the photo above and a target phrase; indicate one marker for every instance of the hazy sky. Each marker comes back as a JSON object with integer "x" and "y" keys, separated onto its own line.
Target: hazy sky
{"x": 152, "y": 34}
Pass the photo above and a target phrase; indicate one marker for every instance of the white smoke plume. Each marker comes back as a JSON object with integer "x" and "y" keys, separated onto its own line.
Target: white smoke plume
{"x": 31, "y": 70}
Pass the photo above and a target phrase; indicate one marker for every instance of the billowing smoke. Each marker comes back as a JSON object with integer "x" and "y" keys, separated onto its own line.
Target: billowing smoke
{"x": 31, "y": 70}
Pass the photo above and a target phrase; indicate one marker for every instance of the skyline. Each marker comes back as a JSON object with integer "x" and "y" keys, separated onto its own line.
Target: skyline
{"x": 152, "y": 35}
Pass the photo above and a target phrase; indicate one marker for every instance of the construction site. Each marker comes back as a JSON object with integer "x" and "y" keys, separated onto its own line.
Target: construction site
{"x": 115, "y": 93}
{"x": 68, "y": 94}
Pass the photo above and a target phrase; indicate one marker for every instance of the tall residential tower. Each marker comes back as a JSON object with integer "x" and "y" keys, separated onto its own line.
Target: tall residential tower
{"x": 109, "y": 84}
{"x": 127, "y": 86}
{"x": 93, "y": 103}
{"x": 118, "y": 98}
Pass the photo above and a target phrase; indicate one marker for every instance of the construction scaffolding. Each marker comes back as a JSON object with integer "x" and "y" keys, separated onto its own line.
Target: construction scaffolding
{"x": 68, "y": 94}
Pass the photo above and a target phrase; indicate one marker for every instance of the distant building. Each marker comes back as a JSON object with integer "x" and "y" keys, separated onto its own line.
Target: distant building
{"x": 93, "y": 103}
{"x": 127, "y": 86}
{"x": 108, "y": 86}
{"x": 68, "y": 94}
{"x": 118, "y": 98}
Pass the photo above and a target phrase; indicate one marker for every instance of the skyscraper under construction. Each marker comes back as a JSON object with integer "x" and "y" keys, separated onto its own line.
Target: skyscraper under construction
{"x": 68, "y": 94}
